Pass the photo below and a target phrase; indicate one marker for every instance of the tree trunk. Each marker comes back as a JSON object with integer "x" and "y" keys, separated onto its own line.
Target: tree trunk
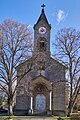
{"x": 10, "y": 108}
{"x": 70, "y": 102}
{"x": 71, "y": 89}
{"x": 10, "y": 96}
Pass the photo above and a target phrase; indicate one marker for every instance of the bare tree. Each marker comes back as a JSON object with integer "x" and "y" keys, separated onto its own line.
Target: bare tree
{"x": 15, "y": 47}
{"x": 67, "y": 51}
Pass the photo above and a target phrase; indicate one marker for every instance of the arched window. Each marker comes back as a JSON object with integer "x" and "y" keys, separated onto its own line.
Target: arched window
{"x": 42, "y": 44}
{"x": 79, "y": 108}
{"x": 40, "y": 88}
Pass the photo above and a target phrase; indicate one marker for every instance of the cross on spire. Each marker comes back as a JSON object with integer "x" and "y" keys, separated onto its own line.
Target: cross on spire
{"x": 43, "y": 6}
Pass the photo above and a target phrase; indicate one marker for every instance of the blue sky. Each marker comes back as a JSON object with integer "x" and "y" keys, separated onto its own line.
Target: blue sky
{"x": 60, "y": 13}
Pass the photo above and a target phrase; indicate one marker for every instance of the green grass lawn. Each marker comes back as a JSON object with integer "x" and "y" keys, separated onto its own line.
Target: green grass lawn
{"x": 7, "y": 117}
{"x": 64, "y": 118}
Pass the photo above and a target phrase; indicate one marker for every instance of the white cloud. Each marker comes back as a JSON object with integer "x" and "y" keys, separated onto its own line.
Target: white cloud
{"x": 61, "y": 15}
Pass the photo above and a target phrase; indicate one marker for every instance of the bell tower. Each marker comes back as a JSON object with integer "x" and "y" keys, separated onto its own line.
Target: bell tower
{"x": 42, "y": 37}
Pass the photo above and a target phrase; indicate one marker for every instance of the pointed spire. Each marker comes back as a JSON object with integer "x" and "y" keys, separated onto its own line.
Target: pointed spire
{"x": 42, "y": 16}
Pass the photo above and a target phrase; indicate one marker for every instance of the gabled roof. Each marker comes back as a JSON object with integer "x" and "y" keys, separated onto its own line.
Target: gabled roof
{"x": 56, "y": 61}
{"x": 23, "y": 63}
{"x": 44, "y": 77}
{"x": 42, "y": 17}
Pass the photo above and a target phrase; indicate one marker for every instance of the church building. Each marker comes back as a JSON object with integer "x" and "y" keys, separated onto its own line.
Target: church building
{"x": 42, "y": 89}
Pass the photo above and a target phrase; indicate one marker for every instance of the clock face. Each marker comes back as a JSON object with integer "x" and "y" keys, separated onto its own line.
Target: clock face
{"x": 42, "y": 30}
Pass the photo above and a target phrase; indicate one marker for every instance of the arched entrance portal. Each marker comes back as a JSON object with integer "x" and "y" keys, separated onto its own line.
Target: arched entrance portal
{"x": 40, "y": 98}
{"x": 41, "y": 102}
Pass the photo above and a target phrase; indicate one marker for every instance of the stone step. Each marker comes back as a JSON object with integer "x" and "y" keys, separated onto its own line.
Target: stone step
{"x": 39, "y": 114}
{"x": 33, "y": 118}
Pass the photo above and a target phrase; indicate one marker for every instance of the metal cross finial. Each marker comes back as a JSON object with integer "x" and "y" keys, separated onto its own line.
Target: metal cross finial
{"x": 43, "y": 6}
